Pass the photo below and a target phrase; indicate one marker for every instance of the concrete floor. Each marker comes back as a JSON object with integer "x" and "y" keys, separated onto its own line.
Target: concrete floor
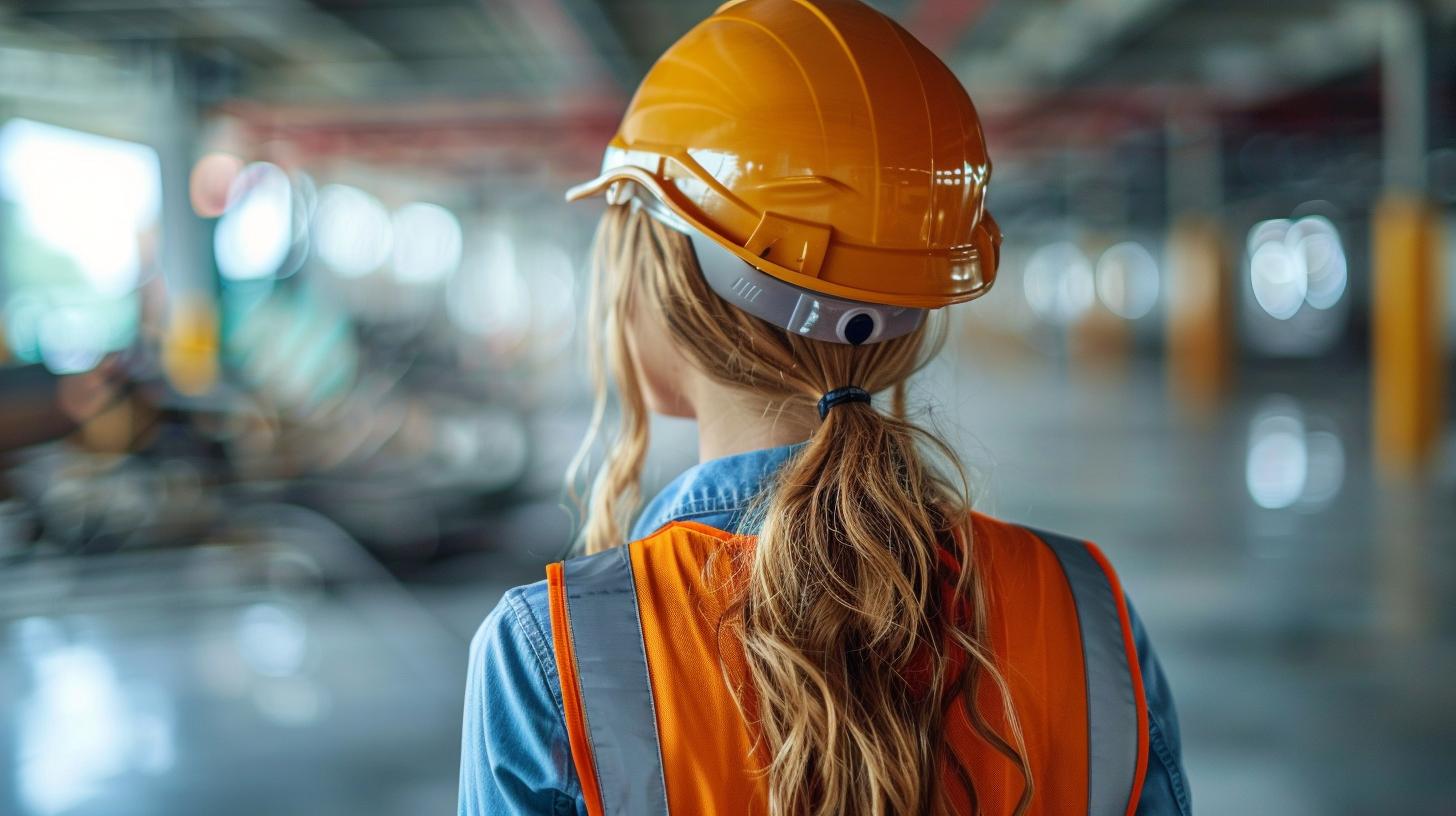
{"x": 1310, "y": 647}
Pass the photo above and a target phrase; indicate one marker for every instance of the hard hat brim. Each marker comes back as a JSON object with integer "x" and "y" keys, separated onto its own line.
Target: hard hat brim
{"x": 618, "y": 173}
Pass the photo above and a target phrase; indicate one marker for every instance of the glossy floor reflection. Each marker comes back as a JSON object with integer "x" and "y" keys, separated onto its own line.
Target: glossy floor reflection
{"x": 1301, "y": 611}
{"x": 265, "y": 678}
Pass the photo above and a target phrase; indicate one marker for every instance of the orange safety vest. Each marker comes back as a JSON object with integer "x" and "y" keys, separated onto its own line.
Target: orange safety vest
{"x": 654, "y": 729}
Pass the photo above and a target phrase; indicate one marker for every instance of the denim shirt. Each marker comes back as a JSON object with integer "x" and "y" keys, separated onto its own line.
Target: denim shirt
{"x": 514, "y": 753}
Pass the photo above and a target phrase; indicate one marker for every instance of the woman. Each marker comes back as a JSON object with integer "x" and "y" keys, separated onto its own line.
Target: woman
{"x": 811, "y": 620}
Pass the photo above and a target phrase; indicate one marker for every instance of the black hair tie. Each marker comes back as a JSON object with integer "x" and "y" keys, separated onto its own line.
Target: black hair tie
{"x": 849, "y": 393}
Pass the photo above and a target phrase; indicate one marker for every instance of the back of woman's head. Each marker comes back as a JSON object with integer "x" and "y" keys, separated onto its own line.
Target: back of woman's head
{"x": 840, "y": 603}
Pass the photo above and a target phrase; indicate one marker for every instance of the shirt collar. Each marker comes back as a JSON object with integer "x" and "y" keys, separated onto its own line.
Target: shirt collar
{"x": 717, "y": 486}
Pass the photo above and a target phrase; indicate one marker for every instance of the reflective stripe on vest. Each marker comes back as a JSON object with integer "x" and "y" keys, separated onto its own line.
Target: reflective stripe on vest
{"x": 613, "y": 682}
{"x": 612, "y": 724}
{"x": 1114, "y": 715}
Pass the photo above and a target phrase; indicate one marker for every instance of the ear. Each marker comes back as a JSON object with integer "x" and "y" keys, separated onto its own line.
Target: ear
{"x": 663, "y": 372}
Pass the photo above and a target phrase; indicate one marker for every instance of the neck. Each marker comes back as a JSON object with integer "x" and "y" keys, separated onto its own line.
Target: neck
{"x": 731, "y": 421}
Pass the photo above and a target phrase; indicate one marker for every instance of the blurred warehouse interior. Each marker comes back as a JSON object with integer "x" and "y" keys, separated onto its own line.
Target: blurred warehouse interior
{"x": 290, "y": 371}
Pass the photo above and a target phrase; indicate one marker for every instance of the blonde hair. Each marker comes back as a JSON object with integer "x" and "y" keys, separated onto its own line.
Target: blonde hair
{"x": 839, "y": 608}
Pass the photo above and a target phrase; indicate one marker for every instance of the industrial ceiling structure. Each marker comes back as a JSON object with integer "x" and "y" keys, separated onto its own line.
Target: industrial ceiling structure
{"x": 1086, "y": 101}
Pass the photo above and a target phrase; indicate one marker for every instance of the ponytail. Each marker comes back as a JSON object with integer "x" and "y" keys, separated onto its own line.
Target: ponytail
{"x": 853, "y": 659}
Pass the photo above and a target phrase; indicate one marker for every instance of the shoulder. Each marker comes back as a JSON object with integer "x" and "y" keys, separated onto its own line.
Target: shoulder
{"x": 520, "y": 610}
{"x": 1022, "y": 556}
{"x": 1011, "y": 546}
{"x": 1038, "y": 577}
{"x": 514, "y": 752}
{"x": 512, "y": 646}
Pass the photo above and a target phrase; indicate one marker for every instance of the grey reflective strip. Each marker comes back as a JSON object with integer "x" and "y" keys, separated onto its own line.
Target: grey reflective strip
{"x": 810, "y": 314}
{"x": 1112, "y": 716}
{"x": 616, "y": 691}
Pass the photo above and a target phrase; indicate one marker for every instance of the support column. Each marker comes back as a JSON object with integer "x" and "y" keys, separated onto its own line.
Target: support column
{"x": 1099, "y": 343}
{"x": 1406, "y": 355}
{"x": 5, "y": 114}
{"x": 1407, "y": 369}
{"x": 190, "y": 335}
{"x": 1199, "y": 327}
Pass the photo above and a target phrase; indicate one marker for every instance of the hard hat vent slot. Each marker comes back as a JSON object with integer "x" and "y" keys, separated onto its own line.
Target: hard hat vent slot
{"x": 801, "y": 243}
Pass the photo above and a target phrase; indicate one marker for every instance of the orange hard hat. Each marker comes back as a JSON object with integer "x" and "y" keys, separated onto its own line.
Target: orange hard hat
{"x": 819, "y": 142}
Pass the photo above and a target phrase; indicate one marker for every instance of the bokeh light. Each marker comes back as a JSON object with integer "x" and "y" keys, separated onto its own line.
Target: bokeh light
{"x": 489, "y": 297}
{"x": 352, "y": 231}
{"x": 70, "y": 341}
{"x": 1292, "y": 263}
{"x": 553, "y": 299}
{"x": 1317, "y": 244}
{"x": 255, "y": 234}
{"x": 211, "y": 181}
{"x": 1277, "y": 464}
{"x": 1279, "y": 279}
{"x": 1127, "y": 280}
{"x": 272, "y": 640}
{"x": 1293, "y": 460}
{"x": 1059, "y": 282}
{"x": 427, "y": 243}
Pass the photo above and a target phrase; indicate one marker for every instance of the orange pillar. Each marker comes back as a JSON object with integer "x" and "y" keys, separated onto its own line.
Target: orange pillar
{"x": 190, "y": 345}
{"x": 1199, "y": 330}
{"x": 1408, "y": 374}
{"x": 1099, "y": 343}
